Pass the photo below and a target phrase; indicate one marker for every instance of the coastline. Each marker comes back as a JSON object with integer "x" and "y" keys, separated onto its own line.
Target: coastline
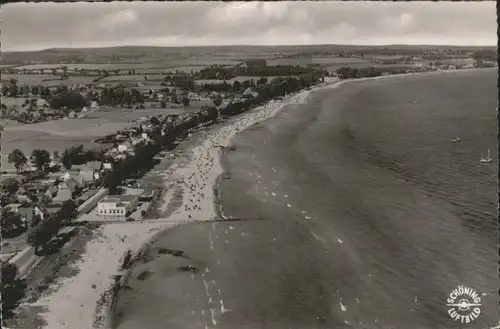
{"x": 92, "y": 289}
{"x": 199, "y": 177}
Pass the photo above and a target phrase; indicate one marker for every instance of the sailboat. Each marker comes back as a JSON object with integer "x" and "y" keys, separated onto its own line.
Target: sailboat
{"x": 486, "y": 160}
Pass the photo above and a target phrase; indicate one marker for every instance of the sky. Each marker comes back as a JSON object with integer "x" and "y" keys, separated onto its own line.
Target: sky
{"x": 35, "y": 26}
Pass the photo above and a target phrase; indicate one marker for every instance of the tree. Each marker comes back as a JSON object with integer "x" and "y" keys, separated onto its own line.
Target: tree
{"x": 40, "y": 159}
{"x": 13, "y": 89}
{"x": 12, "y": 288}
{"x": 68, "y": 211}
{"x": 174, "y": 98}
{"x": 11, "y": 223}
{"x": 154, "y": 121}
{"x": 70, "y": 100}
{"x": 65, "y": 73}
{"x": 217, "y": 100}
{"x": 38, "y": 236}
{"x": 236, "y": 86}
{"x": 45, "y": 199}
{"x": 66, "y": 159}
{"x": 185, "y": 101}
{"x": 18, "y": 159}
{"x": 10, "y": 185}
{"x": 9, "y": 272}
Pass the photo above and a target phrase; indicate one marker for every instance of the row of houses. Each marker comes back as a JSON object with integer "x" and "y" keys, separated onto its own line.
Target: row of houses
{"x": 129, "y": 142}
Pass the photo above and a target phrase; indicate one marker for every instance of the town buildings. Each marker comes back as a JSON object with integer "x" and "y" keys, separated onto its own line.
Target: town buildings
{"x": 117, "y": 205}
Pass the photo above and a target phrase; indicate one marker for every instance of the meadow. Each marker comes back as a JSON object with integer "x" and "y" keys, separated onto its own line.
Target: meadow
{"x": 156, "y": 64}
{"x": 46, "y": 79}
{"x": 63, "y": 134}
{"x": 166, "y": 69}
{"x": 458, "y": 61}
{"x": 339, "y": 60}
{"x": 86, "y": 66}
{"x": 136, "y": 78}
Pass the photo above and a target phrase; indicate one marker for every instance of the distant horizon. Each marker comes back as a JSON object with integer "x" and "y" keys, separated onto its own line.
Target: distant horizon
{"x": 41, "y": 26}
{"x": 254, "y": 45}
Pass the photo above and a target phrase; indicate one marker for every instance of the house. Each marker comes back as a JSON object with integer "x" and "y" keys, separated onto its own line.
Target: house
{"x": 14, "y": 207}
{"x": 75, "y": 169}
{"x": 24, "y": 198}
{"x": 89, "y": 176}
{"x": 90, "y": 172}
{"x": 36, "y": 115}
{"x": 125, "y": 147}
{"x": 250, "y": 93}
{"x": 52, "y": 112}
{"x": 40, "y": 102}
{"x": 70, "y": 185}
{"x": 117, "y": 205}
{"x": 136, "y": 141}
{"x": 121, "y": 137}
{"x": 94, "y": 165}
{"x": 51, "y": 191}
{"x": 254, "y": 63}
{"x": 71, "y": 176}
{"x": 107, "y": 166}
{"x": 28, "y": 213}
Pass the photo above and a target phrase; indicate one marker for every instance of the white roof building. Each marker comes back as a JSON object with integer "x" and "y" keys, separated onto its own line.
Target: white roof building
{"x": 117, "y": 205}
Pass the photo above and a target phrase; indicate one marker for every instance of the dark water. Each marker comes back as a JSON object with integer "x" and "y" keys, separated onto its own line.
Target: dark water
{"x": 372, "y": 164}
{"x": 371, "y": 217}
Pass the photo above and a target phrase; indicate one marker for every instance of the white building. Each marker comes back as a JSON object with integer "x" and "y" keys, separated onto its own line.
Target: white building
{"x": 117, "y": 205}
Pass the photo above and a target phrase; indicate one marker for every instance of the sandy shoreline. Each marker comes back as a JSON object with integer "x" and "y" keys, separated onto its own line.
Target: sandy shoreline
{"x": 78, "y": 302}
{"x": 73, "y": 305}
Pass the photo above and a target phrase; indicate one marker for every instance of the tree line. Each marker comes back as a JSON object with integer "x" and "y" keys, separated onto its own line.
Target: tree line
{"x": 347, "y": 72}
{"x": 166, "y": 133}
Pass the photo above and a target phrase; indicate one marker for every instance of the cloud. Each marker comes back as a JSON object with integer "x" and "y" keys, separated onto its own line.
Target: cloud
{"x": 46, "y": 25}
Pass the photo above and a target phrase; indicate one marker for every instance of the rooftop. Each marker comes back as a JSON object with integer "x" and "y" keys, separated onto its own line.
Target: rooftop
{"x": 118, "y": 198}
{"x": 109, "y": 200}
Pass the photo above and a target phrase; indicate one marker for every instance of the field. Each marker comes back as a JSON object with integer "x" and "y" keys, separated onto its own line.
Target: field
{"x": 17, "y": 101}
{"x": 62, "y": 134}
{"x": 166, "y": 69}
{"x": 315, "y": 60}
{"x": 383, "y": 57}
{"x": 339, "y": 60}
{"x": 458, "y": 61}
{"x": 136, "y": 78}
{"x": 110, "y": 66}
{"x": 333, "y": 68}
{"x": 163, "y": 64}
{"x": 46, "y": 79}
